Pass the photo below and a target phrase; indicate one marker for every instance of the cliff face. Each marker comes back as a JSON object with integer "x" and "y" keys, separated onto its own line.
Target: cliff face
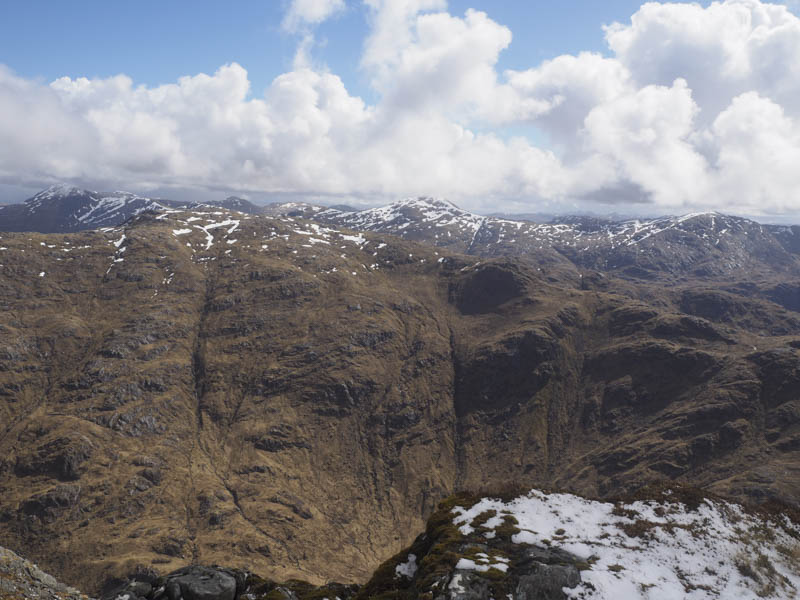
{"x": 270, "y": 393}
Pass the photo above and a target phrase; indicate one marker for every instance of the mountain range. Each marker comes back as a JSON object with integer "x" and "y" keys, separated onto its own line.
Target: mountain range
{"x": 698, "y": 244}
{"x": 293, "y": 389}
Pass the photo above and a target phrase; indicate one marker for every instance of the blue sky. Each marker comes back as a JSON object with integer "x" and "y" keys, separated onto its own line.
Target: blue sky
{"x": 515, "y": 106}
{"x": 157, "y": 42}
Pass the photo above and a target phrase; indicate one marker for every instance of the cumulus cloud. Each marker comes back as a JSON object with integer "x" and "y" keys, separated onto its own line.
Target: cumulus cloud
{"x": 693, "y": 108}
{"x": 721, "y": 51}
{"x": 304, "y": 13}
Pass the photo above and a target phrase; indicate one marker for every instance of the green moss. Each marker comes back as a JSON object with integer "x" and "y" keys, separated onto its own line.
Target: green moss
{"x": 616, "y": 568}
{"x": 479, "y": 521}
{"x": 508, "y": 528}
{"x": 493, "y": 574}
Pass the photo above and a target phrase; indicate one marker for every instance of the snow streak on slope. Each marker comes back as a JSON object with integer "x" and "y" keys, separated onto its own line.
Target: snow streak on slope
{"x": 109, "y": 209}
{"x": 63, "y": 208}
{"x": 411, "y": 216}
{"x": 655, "y": 550}
{"x": 435, "y": 212}
{"x": 708, "y": 243}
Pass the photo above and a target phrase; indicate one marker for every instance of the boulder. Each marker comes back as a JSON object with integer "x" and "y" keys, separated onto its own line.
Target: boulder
{"x": 204, "y": 583}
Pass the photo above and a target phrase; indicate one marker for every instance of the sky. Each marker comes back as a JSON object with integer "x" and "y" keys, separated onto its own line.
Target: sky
{"x": 577, "y": 106}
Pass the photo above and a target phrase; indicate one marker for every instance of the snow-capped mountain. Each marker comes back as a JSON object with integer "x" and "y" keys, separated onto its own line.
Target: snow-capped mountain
{"x": 298, "y": 209}
{"x": 697, "y": 243}
{"x": 238, "y": 204}
{"x": 433, "y": 219}
{"x": 64, "y": 208}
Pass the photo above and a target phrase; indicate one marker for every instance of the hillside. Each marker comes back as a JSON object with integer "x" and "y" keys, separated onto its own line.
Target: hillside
{"x": 214, "y": 387}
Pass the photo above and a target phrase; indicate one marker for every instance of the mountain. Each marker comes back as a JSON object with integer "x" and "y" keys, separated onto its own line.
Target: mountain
{"x": 238, "y": 204}
{"x": 65, "y": 209}
{"x": 293, "y": 397}
{"x": 433, "y": 220}
{"x": 674, "y": 248}
{"x": 693, "y": 245}
{"x": 298, "y": 209}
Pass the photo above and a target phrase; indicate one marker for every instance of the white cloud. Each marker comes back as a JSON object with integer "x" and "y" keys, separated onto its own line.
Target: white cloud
{"x": 645, "y": 137}
{"x": 758, "y": 153}
{"x": 391, "y": 30}
{"x": 722, "y": 51}
{"x": 695, "y": 108}
{"x": 447, "y": 67}
{"x": 304, "y": 13}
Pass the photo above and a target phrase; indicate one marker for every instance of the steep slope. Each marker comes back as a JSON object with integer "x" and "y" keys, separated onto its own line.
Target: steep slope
{"x": 271, "y": 393}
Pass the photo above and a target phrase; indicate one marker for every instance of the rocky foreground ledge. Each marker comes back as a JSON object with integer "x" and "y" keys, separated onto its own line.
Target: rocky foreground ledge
{"x": 666, "y": 541}
{"x": 21, "y": 579}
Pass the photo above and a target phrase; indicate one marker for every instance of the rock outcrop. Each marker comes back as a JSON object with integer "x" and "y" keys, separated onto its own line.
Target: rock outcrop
{"x": 20, "y": 579}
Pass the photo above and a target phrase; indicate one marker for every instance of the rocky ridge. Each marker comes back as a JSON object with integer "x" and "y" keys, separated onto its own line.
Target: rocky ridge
{"x": 692, "y": 245}
{"x": 666, "y": 541}
{"x": 704, "y": 245}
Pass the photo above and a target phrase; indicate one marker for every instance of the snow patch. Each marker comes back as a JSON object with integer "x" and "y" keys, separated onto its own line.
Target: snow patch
{"x": 709, "y": 550}
{"x": 408, "y": 568}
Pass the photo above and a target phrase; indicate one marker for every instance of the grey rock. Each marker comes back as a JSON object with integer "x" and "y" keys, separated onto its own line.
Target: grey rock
{"x": 287, "y": 594}
{"x": 546, "y": 582}
{"x": 204, "y": 583}
{"x": 466, "y": 585}
{"x": 173, "y": 590}
{"x": 140, "y": 588}
{"x": 550, "y": 556}
{"x": 160, "y": 592}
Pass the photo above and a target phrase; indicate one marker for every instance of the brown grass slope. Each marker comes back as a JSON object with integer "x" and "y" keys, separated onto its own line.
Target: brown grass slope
{"x": 297, "y": 402}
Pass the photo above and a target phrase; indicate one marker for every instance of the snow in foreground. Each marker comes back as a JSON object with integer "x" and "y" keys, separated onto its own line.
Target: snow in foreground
{"x": 655, "y": 550}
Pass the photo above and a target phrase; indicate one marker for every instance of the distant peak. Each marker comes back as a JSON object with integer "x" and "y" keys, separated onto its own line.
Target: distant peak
{"x": 428, "y": 201}
{"x": 61, "y": 189}
{"x": 695, "y": 215}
